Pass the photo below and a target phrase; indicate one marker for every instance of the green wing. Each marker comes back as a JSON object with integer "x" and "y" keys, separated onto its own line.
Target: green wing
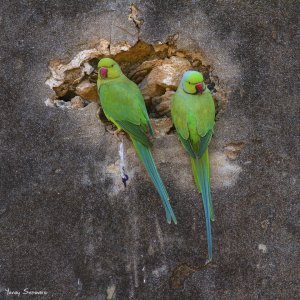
{"x": 136, "y": 131}
{"x": 204, "y": 141}
{"x": 179, "y": 114}
{"x": 193, "y": 117}
{"x": 143, "y": 106}
{"x": 187, "y": 146}
{"x": 205, "y": 113}
{"x": 123, "y": 104}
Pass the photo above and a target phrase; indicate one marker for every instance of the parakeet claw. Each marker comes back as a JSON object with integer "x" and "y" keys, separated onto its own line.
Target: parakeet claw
{"x": 116, "y": 133}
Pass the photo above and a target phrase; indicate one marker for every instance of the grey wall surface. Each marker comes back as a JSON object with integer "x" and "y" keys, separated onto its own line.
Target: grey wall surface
{"x": 68, "y": 227}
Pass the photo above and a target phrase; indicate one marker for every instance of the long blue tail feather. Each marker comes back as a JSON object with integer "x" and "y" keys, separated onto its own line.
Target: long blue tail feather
{"x": 200, "y": 167}
{"x": 207, "y": 169}
{"x": 147, "y": 159}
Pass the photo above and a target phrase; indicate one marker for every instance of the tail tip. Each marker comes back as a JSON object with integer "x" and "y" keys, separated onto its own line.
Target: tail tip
{"x": 169, "y": 220}
{"x": 209, "y": 260}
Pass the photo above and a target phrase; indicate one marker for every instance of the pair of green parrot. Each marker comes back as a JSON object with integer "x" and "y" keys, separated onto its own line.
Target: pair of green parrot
{"x": 193, "y": 114}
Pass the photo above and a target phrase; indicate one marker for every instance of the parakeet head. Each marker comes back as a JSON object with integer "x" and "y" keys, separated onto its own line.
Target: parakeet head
{"x": 192, "y": 82}
{"x": 108, "y": 69}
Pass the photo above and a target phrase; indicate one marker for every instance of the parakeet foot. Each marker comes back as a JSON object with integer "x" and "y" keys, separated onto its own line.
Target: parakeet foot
{"x": 116, "y": 133}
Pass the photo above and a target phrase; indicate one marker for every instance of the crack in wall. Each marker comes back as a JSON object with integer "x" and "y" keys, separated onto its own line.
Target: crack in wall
{"x": 135, "y": 17}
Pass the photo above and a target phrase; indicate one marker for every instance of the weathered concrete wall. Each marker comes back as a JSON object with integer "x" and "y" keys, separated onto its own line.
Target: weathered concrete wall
{"x": 66, "y": 224}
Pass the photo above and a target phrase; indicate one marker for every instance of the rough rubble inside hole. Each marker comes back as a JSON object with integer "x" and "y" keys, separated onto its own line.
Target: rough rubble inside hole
{"x": 156, "y": 69}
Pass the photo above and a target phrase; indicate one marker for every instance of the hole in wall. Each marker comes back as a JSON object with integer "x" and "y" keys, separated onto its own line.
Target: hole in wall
{"x": 156, "y": 68}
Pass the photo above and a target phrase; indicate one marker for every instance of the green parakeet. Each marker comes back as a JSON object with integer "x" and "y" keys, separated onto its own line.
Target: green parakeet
{"x": 123, "y": 104}
{"x": 193, "y": 114}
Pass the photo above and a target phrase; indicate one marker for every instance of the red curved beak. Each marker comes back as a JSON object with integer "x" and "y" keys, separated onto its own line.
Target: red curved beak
{"x": 103, "y": 72}
{"x": 199, "y": 87}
